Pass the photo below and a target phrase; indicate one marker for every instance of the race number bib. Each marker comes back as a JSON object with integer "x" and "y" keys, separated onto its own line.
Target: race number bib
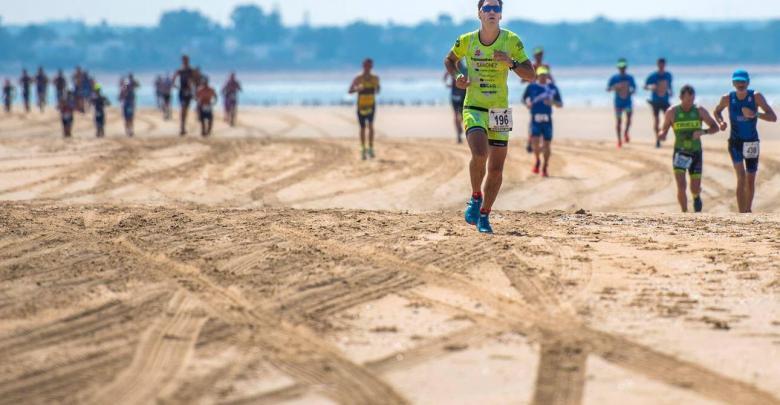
{"x": 682, "y": 161}
{"x": 751, "y": 150}
{"x": 541, "y": 118}
{"x": 206, "y": 108}
{"x": 501, "y": 119}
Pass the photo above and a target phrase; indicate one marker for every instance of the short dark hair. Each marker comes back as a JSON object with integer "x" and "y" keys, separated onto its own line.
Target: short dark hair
{"x": 687, "y": 89}
{"x": 661, "y": 60}
{"x": 482, "y": 3}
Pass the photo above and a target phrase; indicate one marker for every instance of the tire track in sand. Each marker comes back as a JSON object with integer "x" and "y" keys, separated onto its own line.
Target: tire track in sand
{"x": 566, "y": 333}
{"x": 163, "y": 352}
{"x": 293, "y": 350}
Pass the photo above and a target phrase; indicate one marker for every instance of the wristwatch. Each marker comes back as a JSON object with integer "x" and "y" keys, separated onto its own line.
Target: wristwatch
{"x": 514, "y": 65}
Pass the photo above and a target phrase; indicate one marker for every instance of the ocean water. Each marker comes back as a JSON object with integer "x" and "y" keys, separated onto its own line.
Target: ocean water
{"x": 580, "y": 87}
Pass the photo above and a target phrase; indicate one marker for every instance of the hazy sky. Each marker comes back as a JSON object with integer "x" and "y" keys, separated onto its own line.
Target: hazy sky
{"x": 400, "y": 11}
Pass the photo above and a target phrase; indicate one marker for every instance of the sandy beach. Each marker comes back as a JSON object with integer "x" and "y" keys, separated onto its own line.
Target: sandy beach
{"x": 269, "y": 264}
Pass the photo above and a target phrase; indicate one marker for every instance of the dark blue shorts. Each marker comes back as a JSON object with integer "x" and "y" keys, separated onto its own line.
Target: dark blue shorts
{"x": 544, "y": 130}
{"x": 659, "y": 105}
{"x": 205, "y": 114}
{"x": 100, "y": 119}
{"x": 458, "y": 101}
{"x": 737, "y": 157}
{"x": 128, "y": 111}
{"x": 626, "y": 105}
{"x": 365, "y": 119}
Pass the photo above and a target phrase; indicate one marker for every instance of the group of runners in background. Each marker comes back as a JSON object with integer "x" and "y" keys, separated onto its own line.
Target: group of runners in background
{"x": 477, "y": 70}
{"x": 481, "y": 103}
{"x": 86, "y": 94}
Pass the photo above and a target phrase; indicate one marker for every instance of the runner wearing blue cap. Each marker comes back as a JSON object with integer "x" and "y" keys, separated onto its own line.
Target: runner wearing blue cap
{"x": 743, "y": 105}
{"x": 624, "y": 87}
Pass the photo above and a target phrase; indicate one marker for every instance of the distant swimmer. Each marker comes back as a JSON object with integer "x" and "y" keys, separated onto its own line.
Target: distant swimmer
{"x": 230, "y": 96}
{"x": 624, "y": 87}
{"x": 659, "y": 83}
{"x": 25, "y": 82}
{"x": 60, "y": 85}
{"x": 540, "y": 97}
{"x": 9, "y": 92}
{"x": 744, "y": 143}
{"x": 99, "y": 103}
{"x": 206, "y": 98}
{"x": 491, "y": 53}
{"x": 127, "y": 98}
{"x": 41, "y": 87}
{"x": 188, "y": 78}
{"x": 67, "y": 108}
{"x": 366, "y": 85}
{"x": 537, "y": 63}
{"x": 686, "y": 119}
{"x": 457, "y": 98}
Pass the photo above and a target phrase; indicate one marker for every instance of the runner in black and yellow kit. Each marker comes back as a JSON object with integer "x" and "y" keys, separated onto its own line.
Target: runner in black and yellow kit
{"x": 686, "y": 118}
{"x": 490, "y": 54}
{"x": 366, "y": 85}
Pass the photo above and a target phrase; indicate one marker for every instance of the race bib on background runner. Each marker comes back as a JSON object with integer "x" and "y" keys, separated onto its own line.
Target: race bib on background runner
{"x": 541, "y": 118}
{"x": 751, "y": 150}
{"x": 682, "y": 161}
{"x": 501, "y": 119}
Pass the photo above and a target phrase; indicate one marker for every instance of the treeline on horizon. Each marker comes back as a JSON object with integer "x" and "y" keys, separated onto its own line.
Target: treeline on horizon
{"x": 257, "y": 40}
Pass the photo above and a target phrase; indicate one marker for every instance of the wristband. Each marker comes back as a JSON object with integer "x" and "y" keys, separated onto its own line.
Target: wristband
{"x": 459, "y": 76}
{"x": 514, "y": 65}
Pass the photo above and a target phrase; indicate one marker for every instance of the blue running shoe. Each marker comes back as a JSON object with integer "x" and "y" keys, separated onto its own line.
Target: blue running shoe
{"x": 698, "y": 205}
{"x": 483, "y": 226}
{"x": 472, "y": 210}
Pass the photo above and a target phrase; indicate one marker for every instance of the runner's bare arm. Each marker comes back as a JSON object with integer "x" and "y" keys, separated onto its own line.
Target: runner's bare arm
{"x": 378, "y": 86}
{"x": 769, "y": 114}
{"x": 451, "y": 63}
{"x": 175, "y": 75}
{"x": 668, "y": 118}
{"x": 711, "y": 124}
{"x": 722, "y": 105}
{"x": 353, "y": 87}
{"x": 526, "y": 71}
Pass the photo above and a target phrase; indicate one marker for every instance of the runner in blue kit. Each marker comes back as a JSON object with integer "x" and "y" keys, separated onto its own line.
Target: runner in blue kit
{"x": 540, "y": 97}
{"x": 41, "y": 87}
{"x": 490, "y": 53}
{"x": 25, "y": 82}
{"x": 457, "y": 98}
{"x": 127, "y": 98}
{"x": 743, "y": 105}
{"x": 624, "y": 87}
{"x": 9, "y": 91}
{"x": 659, "y": 83}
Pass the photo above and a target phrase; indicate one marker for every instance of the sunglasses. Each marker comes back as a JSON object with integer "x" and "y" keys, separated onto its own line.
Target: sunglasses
{"x": 495, "y": 9}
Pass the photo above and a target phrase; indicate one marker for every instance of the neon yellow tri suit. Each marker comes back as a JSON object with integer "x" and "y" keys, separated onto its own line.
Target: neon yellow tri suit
{"x": 366, "y": 101}
{"x": 488, "y": 88}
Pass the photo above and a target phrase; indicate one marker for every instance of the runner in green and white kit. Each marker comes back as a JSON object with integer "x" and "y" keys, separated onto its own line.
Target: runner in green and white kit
{"x": 686, "y": 118}
{"x": 490, "y": 54}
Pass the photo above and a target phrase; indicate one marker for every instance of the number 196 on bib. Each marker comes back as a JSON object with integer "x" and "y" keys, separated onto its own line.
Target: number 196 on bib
{"x": 501, "y": 119}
